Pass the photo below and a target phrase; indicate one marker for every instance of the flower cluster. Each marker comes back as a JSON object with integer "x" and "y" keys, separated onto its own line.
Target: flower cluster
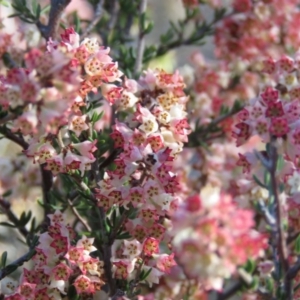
{"x": 275, "y": 112}
{"x": 121, "y": 146}
{"x": 214, "y": 237}
{"x": 58, "y": 263}
{"x": 142, "y": 179}
{"x": 150, "y": 138}
{"x": 273, "y": 116}
{"x": 57, "y": 105}
{"x": 256, "y": 28}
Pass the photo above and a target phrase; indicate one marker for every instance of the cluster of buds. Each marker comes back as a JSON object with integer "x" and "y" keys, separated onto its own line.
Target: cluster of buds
{"x": 58, "y": 263}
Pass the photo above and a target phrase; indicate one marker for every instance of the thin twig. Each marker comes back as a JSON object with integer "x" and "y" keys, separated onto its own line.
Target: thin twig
{"x": 281, "y": 240}
{"x": 5, "y": 207}
{"x": 57, "y": 7}
{"x": 7, "y": 118}
{"x": 13, "y": 137}
{"x": 198, "y": 137}
{"x": 141, "y": 39}
{"x": 205, "y": 30}
{"x": 19, "y": 262}
{"x": 118, "y": 226}
{"x": 79, "y": 217}
{"x": 47, "y": 182}
{"x": 293, "y": 271}
{"x": 60, "y": 140}
{"x": 113, "y": 11}
{"x": 8, "y": 61}
{"x": 230, "y": 291}
{"x": 47, "y": 177}
{"x": 97, "y": 17}
{"x": 102, "y": 245}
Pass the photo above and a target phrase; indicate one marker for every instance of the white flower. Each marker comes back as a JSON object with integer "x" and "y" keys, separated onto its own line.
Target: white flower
{"x": 132, "y": 248}
{"x": 8, "y": 286}
{"x": 294, "y": 182}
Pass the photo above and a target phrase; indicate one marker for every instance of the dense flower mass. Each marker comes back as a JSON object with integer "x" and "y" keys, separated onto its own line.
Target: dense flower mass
{"x": 152, "y": 184}
{"x": 213, "y": 237}
{"x": 58, "y": 263}
{"x": 256, "y": 28}
{"x": 148, "y": 140}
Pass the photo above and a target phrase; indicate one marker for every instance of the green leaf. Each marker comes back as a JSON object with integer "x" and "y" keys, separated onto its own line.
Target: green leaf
{"x": 45, "y": 9}
{"x": 259, "y": 182}
{"x": 250, "y": 266}
{"x": 106, "y": 225}
{"x": 3, "y": 259}
{"x": 297, "y": 245}
{"x": 7, "y": 224}
{"x": 255, "y": 282}
{"x": 144, "y": 275}
{"x": 267, "y": 179}
{"x": 269, "y": 284}
{"x": 72, "y": 294}
{"x": 24, "y": 219}
{"x": 123, "y": 236}
{"x": 33, "y": 225}
{"x": 7, "y": 194}
{"x": 38, "y": 12}
{"x": 84, "y": 194}
{"x": 4, "y": 3}
{"x": 149, "y": 28}
{"x": 11, "y": 268}
{"x": 34, "y": 6}
{"x": 280, "y": 163}
{"x": 297, "y": 287}
{"x": 76, "y": 21}
{"x": 96, "y": 117}
{"x": 167, "y": 37}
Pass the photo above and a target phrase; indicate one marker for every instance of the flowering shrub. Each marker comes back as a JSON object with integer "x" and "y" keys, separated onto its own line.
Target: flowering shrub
{"x": 152, "y": 184}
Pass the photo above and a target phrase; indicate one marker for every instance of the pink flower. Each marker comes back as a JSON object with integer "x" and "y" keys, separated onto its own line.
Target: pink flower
{"x": 83, "y": 285}
{"x": 86, "y": 148}
{"x": 123, "y": 267}
{"x": 132, "y": 248}
{"x": 150, "y": 246}
{"x": 61, "y": 272}
{"x": 78, "y": 124}
{"x": 71, "y": 38}
{"x": 26, "y": 123}
{"x": 55, "y": 164}
{"x": 165, "y": 262}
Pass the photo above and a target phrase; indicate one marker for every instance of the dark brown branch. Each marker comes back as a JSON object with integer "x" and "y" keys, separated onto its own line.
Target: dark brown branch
{"x": 19, "y": 262}
{"x": 205, "y": 30}
{"x": 113, "y": 11}
{"x": 281, "y": 241}
{"x": 197, "y": 137}
{"x": 47, "y": 178}
{"x": 141, "y": 39}
{"x": 79, "y": 217}
{"x": 118, "y": 226}
{"x": 103, "y": 246}
{"x": 230, "y": 291}
{"x": 293, "y": 271}
{"x": 57, "y": 7}
{"x": 47, "y": 182}
{"x": 97, "y": 17}
{"x": 13, "y": 137}
{"x": 5, "y": 207}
